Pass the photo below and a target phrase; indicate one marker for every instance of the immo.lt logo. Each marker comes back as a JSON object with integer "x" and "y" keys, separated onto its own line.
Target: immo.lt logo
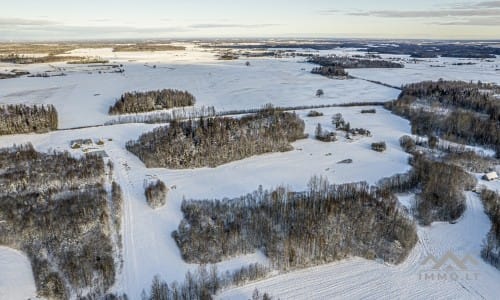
{"x": 449, "y": 267}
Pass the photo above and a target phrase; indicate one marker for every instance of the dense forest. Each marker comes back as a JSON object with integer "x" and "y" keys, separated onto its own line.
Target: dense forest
{"x": 209, "y": 142}
{"x": 346, "y": 62}
{"x": 457, "y": 111}
{"x": 491, "y": 247}
{"x": 20, "y": 118}
{"x": 55, "y": 208}
{"x": 298, "y": 229}
{"x": 137, "y": 102}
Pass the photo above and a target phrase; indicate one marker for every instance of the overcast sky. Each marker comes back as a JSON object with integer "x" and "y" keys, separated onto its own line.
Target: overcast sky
{"x": 105, "y": 19}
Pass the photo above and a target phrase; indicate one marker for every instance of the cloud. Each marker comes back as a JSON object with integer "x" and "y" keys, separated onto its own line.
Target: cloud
{"x": 484, "y": 13}
{"x": 429, "y": 13}
{"x": 225, "y": 25}
{"x": 24, "y": 22}
{"x": 472, "y": 22}
{"x": 483, "y": 4}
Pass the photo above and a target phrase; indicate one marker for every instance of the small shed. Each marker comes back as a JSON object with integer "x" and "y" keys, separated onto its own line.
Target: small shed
{"x": 490, "y": 176}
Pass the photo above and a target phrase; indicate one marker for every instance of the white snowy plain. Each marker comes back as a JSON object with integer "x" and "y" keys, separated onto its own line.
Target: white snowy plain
{"x": 82, "y": 99}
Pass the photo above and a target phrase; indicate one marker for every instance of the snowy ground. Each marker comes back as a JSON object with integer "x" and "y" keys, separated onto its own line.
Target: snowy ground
{"x": 83, "y": 99}
{"x": 16, "y": 278}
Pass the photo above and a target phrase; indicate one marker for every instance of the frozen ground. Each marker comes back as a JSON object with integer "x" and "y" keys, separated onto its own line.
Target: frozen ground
{"x": 83, "y": 99}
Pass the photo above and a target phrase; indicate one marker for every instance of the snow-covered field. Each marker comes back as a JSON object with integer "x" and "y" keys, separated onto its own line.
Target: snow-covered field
{"x": 16, "y": 278}
{"x": 148, "y": 249}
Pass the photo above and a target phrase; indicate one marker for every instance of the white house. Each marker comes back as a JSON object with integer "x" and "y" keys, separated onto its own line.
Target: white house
{"x": 490, "y": 176}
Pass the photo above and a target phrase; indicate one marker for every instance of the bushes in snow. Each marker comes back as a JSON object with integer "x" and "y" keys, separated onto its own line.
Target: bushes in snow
{"x": 20, "y": 118}
{"x": 314, "y": 113}
{"x": 379, "y": 147}
{"x": 209, "y": 142}
{"x": 156, "y": 194}
{"x": 324, "y": 135}
{"x": 137, "y": 102}
{"x": 298, "y": 229}
{"x": 55, "y": 208}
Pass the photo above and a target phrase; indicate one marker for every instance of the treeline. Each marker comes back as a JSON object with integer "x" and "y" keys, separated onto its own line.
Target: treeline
{"x": 209, "y": 142}
{"x": 26, "y": 59}
{"x": 197, "y": 112}
{"x": 203, "y": 283}
{"x": 156, "y": 117}
{"x": 298, "y": 229}
{"x": 491, "y": 248}
{"x": 472, "y": 113}
{"x": 136, "y": 102}
{"x": 346, "y": 62}
{"x": 55, "y": 208}
{"x": 20, "y": 118}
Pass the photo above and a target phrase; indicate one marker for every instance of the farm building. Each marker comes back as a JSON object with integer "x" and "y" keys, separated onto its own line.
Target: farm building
{"x": 490, "y": 176}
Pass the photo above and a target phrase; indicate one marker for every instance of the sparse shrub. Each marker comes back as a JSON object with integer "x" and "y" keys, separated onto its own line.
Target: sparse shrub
{"x": 369, "y": 111}
{"x": 324, "y": 135}
{"x": 314, "y": 113}
{"x": 156, "y": 194}
{"x": 379, "y": 147}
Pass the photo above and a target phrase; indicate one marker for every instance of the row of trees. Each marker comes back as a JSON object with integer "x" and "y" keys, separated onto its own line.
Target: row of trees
{"x": 203, "y": 283}
{"x": 473, "y": 116}
{"x": 491, "y": 247}
{"x": 209, "y": 142}
{"x": 55, "y": 209}
{"x": 298, "y": 229}
{"x": 20, "y": 118}
{"x": 136, "y": 102}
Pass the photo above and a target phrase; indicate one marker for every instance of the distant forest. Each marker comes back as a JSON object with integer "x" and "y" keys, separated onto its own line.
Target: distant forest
{"x": 415, "y": 50}
{"x": 20, "y": 118}
{"x": 298, "y": 229}
{"x": 345, "y": 62}
{"x": 209, "y": 142}
{"x": 137, "y": 102}
{"x": 55, "y": 208}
